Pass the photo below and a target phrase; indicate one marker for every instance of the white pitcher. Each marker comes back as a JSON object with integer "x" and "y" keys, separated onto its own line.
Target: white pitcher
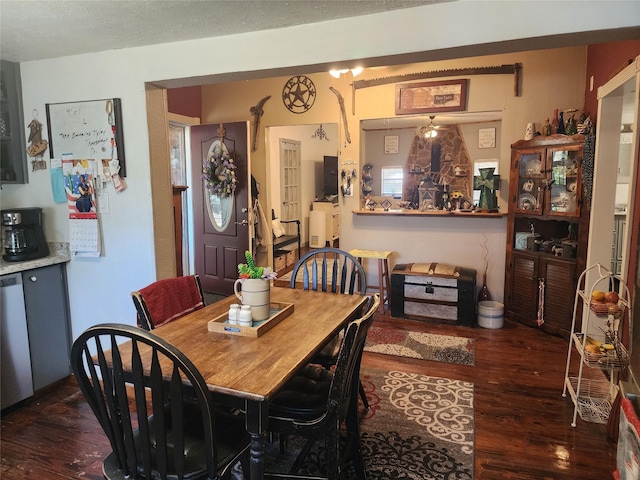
{"x": 255, "y": 292}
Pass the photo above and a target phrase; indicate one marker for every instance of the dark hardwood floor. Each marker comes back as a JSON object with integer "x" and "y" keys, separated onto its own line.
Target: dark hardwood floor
{"x": 522, "y": 422}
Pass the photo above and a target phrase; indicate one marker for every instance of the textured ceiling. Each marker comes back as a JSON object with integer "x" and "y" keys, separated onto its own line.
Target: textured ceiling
{"x": 40, "y": 29}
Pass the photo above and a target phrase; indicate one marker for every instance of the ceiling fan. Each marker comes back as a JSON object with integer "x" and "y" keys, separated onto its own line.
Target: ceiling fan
{"x": 428, "y": 131}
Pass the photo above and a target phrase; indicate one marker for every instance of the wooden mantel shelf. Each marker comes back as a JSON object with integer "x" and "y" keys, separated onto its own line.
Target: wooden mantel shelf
{"x": 433, "y": 213}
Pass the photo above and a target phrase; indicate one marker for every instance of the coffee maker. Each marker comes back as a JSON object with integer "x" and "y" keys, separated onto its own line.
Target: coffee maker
{"x": 23, "y": 234}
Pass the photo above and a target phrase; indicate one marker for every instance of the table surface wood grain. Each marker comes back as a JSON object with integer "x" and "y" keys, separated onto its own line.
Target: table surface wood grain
{"x": 256, "y": 368}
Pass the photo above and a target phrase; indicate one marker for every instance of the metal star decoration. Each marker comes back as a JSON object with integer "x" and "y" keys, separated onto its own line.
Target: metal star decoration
{"x": 299, "y": 94}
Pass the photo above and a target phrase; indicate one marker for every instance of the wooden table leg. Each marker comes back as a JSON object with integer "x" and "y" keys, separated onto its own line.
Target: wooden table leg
{"x": 257, "y": 417}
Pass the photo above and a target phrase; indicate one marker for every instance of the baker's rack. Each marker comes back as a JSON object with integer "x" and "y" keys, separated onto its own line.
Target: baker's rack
{"x": 601, "y": 326}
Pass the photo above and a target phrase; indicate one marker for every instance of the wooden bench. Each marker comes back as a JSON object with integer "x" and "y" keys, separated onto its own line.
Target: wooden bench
{"x": 284, "y": 240}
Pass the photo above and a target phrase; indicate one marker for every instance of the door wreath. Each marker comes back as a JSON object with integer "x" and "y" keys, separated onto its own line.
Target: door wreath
{"x": 218, "y": 171}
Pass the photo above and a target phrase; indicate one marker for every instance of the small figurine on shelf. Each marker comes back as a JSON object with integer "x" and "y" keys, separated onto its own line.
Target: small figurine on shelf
{"x": 571, "y": 127}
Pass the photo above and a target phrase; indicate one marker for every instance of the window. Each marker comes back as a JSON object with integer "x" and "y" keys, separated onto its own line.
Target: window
{"x": 177, "y": 134}
{"x": 392, "y": 182}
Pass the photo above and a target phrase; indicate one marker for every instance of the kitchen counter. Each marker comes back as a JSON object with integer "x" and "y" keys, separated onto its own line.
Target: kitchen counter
{"x": 58, "y": 253}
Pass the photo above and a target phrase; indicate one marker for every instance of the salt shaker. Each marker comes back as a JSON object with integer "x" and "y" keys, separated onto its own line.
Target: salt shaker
{"x": 234, "y": 310}
{"x": 244, "y": 316}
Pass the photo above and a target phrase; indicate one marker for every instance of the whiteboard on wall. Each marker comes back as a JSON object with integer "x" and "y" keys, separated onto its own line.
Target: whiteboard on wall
{"x": 87, "y": 130}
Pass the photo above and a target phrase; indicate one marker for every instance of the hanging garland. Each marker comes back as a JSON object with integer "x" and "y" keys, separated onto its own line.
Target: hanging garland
{"x": 218, "y": 171}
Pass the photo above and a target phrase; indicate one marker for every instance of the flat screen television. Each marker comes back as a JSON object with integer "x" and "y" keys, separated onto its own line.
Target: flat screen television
{"x": 330, "y": 176}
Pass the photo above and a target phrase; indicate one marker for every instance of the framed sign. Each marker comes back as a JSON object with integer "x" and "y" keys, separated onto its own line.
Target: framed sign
{"x": 429, "y": 97}
{"x": 87, "y": 130}
{"x": 391, "y": 143}
{"x": 486, "y": 137}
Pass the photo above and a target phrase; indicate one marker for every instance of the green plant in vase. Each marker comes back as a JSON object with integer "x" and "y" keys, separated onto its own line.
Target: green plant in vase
{"x": 250, "y": 270}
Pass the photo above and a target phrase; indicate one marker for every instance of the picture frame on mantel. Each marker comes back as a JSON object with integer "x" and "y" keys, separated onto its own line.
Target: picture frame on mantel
{"x": 431, "y": 97}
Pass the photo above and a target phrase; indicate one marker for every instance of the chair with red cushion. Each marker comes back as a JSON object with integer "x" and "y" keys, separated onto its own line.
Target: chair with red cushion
{"x": 168, "y": 299}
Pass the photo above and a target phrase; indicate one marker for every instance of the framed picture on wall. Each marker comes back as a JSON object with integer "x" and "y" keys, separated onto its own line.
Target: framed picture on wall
{"x": 391, "y": 143}
{"x": 486, "y": 137}
{"x": 431, "y": 97}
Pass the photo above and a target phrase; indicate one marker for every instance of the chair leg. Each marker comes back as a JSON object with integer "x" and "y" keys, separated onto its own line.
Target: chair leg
{"x": 282, "y": 440}
{"x": 245, "y": 464}
{"x": 353, "y": 440}
{"x": 363, "y": 396}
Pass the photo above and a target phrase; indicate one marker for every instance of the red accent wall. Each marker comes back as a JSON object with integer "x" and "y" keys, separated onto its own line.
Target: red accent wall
{"x": 185, "y": 101}
{"x": 604, "y": 61}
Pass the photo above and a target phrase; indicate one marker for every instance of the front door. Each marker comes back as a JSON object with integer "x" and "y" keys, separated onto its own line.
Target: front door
{"x": 221, "y": 233}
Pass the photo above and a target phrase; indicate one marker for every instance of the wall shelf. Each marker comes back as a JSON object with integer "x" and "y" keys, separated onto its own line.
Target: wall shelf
{"x": 435, "y": 213}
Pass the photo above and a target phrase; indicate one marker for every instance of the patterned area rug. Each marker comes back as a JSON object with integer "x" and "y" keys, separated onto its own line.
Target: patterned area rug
{"x": 417, "y": 428}
{"x": 427, "y": 346}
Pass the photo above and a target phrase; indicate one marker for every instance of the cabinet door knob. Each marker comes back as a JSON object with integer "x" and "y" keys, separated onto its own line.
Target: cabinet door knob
{"x": 33, "y": 278}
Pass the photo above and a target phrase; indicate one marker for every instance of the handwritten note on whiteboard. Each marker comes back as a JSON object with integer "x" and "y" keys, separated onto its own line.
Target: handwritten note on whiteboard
{"x": 91, "y": 129}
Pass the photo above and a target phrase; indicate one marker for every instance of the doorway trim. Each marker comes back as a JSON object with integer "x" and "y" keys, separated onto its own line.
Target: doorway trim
{"x": 610, "y": 97}
{"x": 161, "y": 191}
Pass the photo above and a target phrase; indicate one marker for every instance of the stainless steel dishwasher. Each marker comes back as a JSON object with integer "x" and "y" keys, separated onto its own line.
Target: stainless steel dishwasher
{"x": 15, "y": 367}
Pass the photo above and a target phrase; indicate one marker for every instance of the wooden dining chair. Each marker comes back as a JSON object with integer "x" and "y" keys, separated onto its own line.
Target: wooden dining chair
{"x": 166, "y": 300}
{"x": 316, "y": 402}
{"x": 137, "y": 395}
{"x": 330, "y": 270}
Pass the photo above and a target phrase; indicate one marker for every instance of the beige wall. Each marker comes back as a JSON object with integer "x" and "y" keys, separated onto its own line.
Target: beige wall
{"x": 550, "y": 79}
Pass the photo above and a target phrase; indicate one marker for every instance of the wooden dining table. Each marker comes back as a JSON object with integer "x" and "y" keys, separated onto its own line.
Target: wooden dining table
{"x": 247, "y": 372}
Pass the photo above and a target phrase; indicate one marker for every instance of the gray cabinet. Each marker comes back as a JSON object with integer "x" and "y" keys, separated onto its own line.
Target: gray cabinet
{"x": 47, "y": 307}
{"x": 13, "y": 156}
{"x": 35, "y": 331}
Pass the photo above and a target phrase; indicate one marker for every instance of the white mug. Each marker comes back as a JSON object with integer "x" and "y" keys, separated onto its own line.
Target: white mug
{"x": 256, "y": 293}
{"x": 527, "y": 186}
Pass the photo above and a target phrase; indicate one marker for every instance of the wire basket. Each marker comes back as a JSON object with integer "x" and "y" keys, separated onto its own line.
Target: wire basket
{"x": 614, "y": 357}
{"x": 594, "y": 399}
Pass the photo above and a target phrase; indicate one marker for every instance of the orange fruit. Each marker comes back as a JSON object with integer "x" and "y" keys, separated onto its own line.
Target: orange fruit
{"x": 611, "y": 297}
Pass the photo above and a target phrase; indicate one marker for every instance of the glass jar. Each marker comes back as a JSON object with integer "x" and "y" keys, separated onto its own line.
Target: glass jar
{"x": 234, "y": 310}
{"x": 244, "y": 317}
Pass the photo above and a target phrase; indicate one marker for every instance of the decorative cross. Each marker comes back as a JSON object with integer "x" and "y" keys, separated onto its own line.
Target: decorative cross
{"x": 487, "y": 183}
{"x": 221, "y": 131}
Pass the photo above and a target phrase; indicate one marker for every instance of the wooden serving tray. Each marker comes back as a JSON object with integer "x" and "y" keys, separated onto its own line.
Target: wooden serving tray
{"x": 278, "y": 312}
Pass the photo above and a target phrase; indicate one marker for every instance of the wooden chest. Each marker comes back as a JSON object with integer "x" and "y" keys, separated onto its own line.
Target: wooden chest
{"x": 434, "y": 291}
